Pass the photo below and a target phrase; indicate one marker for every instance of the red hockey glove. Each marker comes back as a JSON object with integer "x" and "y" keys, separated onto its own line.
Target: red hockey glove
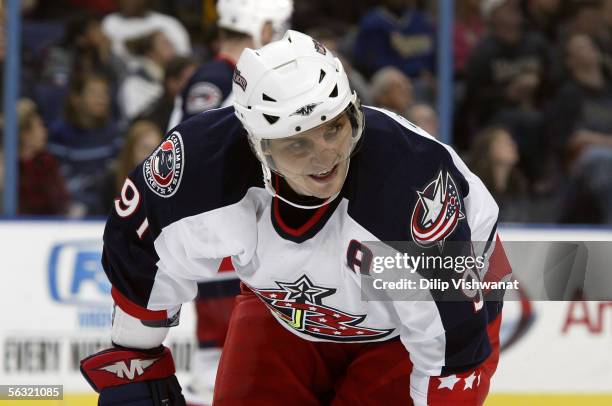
{"x": 125, "y": 376}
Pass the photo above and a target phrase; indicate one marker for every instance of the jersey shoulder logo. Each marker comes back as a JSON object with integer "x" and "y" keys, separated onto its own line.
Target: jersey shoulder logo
{"x": 163, "y": 170}
{"x": 135, "y": 369}
{"x": 203, "y": 96}
{"x": 300, "y": 305}
{"x": 437, "y": 211}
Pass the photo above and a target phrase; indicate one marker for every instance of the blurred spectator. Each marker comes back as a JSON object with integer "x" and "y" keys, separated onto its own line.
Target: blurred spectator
{"x": 135, "y": 19}
{"x": 332, "y": 42}
{"x": 581, "y": 124}
{"x": 392, "y": 90}
{"x": 527, "y": 127}
{"x": 396, "y": 34}
{"x": 582, "y": 17}
{"x": 507, "y": 68}
{"x": 509, "y": 77}
{"x": 589, "y": 192}
{"x": 579, "y": 17}
{"x": 143, "y": 84}
{"x": 178, "y": 72}
{"x": 56, "y": 10}
{"x": 604, "y": 39}
{"x": 40, "y": 27}
{"x": 85, "y": 142}
{"x": 99, "y": 6}
{"x": 543, "y": 16}
{"x": 468, "y": 28}
{"x": 494, "y": 158}
{"x": 342, "y": 15}
{"x": 197, "y": 16}
{"x": 140, "y": 140}
{"x": 42, "y": 190}
{"x": 581, "y": 114}
{"x": 424, "y": 116}
{"x": 84, "y": 49}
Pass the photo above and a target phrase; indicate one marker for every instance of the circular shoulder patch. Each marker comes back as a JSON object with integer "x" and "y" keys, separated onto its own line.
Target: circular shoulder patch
{"x": 164, "y": 168}
{"x": 203, "y": 96}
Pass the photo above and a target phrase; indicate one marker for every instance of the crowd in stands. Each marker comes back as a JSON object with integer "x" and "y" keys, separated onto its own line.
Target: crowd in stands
{"x": 532, "y": 91}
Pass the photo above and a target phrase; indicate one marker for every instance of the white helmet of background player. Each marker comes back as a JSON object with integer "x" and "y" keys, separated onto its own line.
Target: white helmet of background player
{"x": 250, "y": 16}
{"x": 287, "y": 91}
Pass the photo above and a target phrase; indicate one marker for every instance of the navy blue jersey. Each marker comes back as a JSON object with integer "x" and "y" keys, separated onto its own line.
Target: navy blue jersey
{"x": 200, "y": 197}
{"x": 210, "y": 87}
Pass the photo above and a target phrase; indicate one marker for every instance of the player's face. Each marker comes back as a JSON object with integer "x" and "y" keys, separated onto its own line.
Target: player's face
{"x": 315, "y": 162}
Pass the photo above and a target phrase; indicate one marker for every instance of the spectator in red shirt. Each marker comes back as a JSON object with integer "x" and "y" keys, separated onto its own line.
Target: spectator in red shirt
{"x": 42, "y": 190}
{"x": 468, "y": 29}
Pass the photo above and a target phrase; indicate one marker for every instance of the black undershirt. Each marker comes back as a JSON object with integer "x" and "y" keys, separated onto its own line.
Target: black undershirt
{"x": 292, "y": 216}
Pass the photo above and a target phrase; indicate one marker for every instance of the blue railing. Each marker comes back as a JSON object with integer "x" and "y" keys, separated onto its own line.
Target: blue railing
{"x": 445, "y": 69}
{"x": 11, "y": 93}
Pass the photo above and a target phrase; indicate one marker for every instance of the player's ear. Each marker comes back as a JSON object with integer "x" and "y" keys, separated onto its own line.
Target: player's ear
{"x": 267, "y": 33}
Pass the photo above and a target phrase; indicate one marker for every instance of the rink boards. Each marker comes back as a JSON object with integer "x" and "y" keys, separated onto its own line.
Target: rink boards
{"x": 57, "y": 310}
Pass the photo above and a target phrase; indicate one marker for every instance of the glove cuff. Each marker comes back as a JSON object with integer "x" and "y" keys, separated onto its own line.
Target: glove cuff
{"x": 120, "y": 366}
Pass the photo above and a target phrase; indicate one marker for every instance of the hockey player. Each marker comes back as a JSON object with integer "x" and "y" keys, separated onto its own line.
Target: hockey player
{"x": 242, "y": 24}
{"x": 334, "y": 174}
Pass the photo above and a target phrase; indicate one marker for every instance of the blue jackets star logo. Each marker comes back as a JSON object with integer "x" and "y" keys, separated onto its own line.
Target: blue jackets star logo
{"x": 437, "y": 211}
{"x": 300, "y": 306}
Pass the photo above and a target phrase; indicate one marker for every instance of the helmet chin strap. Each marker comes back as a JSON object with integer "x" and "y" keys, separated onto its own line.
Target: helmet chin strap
{"x": 270, "y": 189}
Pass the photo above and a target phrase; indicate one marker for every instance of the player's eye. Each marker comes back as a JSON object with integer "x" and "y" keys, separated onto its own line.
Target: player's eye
{"x": 297, "y": 147}
{"x": 332, "y": 132}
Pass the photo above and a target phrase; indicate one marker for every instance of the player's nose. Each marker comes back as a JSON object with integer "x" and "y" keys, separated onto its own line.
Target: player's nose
{"x": 324, "y": 159}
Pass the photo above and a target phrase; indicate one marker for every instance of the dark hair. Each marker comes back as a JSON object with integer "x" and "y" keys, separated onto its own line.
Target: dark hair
{"x": 177, "y": 65}
{"x": 77, "y": 86}
{"x": 124, "y": 163}
{"x": 142, "y": 45}
{"x": 227, "y": 34}
{"x": 573, "y": 7}
{"x": 78, "y": 25}
{"x": 480, "y": 161}
{"x": 323, "y": 34}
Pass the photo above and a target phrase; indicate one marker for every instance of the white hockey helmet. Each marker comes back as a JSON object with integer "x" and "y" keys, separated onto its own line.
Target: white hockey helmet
{"x": 249, "y": 16}
{"x": 287, "y": 88}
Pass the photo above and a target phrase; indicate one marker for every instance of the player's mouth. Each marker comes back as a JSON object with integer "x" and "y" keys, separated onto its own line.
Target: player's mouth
{"x": 325, "y": 176}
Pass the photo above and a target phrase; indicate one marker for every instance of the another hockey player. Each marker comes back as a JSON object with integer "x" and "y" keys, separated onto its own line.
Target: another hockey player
{"x": 242, "y": 24}
{"x": 334, "y": 174}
